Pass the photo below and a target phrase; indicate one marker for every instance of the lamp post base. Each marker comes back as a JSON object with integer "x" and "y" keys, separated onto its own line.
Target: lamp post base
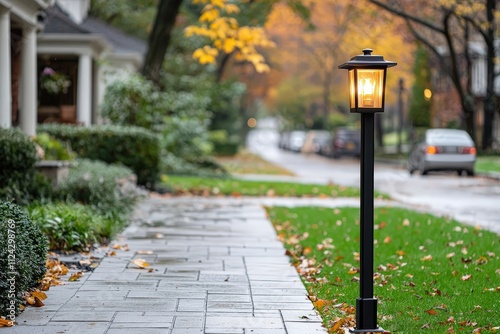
{"x": 378, "y": 330}
{"x": 366, "y": 316}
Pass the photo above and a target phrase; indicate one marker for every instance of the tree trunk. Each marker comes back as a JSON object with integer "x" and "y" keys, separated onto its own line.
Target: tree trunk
{"x": 159, "y": 39}
{"x": 490, "y": 100}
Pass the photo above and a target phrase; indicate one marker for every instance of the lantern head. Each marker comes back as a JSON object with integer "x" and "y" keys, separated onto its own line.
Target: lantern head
{"x": 367, "y": 82}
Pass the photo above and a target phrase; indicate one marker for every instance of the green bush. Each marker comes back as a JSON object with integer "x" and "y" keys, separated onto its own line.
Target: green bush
{"x": 134, "y": 147}
{"x": 53, "y": 149}
{"x": 100, "y": 185}
{"x": 17, "y": 164}
{"x": 72, "y": 226}
{"x": 23, "y": 251}
{"x": 19, "y": 180}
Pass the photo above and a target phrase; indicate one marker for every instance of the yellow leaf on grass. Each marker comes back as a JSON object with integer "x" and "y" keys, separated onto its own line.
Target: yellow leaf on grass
{"x": 426, "y": 258}
{"x": 141, "y": 263}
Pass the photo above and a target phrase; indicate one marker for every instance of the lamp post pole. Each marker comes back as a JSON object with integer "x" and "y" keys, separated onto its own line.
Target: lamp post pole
{"x": 366, "y": 305}
{"x": 367, "y": 96}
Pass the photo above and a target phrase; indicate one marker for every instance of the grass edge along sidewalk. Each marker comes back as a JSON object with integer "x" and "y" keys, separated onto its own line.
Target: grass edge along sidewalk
{"x": 207, "y": 186}
{"x": 430, "y": 272}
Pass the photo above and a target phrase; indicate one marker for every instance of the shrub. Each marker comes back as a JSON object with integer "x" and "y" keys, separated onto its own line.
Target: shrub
{"x": 134, "y": 147}
{"x": 71, "y": 226}
{"x": 53, "y": 149}
{"x": 23, "y": 251}
{"x": 100, "y": 185}
{"x": 17, "y": 164}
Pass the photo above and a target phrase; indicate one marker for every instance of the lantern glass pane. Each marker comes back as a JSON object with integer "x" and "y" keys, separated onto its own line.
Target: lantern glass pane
{"x": 370, "y": 88}
{"x": 352, "y": 89}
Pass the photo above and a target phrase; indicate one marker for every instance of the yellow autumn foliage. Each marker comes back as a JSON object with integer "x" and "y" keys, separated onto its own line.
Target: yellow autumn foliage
{"x": 226, "y": 35}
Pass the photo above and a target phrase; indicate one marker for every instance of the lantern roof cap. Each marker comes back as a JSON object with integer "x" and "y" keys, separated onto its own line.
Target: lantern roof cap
{"x": 367, "y": 60}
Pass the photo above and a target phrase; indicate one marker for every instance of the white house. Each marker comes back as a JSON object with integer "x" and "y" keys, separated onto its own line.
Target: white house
{"x": 58, "y": 35}
{"x": 90, "y": 53}
{"x": 20, "y": 21}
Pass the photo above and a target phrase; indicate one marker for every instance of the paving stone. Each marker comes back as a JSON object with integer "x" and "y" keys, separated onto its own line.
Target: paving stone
{"x": 35, "y": 317}
{"x": 192, "y": 305}
{"x": 187, "y": 331}
{"x": 69, "y": 328}
{"x": 302, "y": 327}
{"x": 306, "y": 315}
{"x": 243, "y": 322}
{"x": 144, "y": 325}
{"x": 130, "y": 330}
{"x": 189, "y": 322}
{"x": 71, "y": 315}
{"x": 140, "y": 317}
{"x": 224, "y": 331}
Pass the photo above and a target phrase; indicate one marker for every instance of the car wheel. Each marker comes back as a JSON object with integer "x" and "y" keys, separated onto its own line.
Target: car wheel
{"x": 470, "y": 173}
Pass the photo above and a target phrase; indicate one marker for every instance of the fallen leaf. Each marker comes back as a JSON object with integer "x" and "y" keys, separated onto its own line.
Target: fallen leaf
{"x": 145, "y": 252}
{"x": 141, "y": 263}
{"x": 39, "y": 294}
{"x": 75, "y": 276}
{"x": 38, "y": 302}
{"x": 6, "y": 323}
{"x": 431, "y": 312}
{"x": 466, "y": 277}
{"x": 426, "y": 258}
{"x": 387, "y": 240}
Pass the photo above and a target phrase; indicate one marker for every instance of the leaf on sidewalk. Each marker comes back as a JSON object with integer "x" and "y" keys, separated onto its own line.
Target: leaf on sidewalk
{"x": 6, "y": 323}
{"x": 141, "y": 263}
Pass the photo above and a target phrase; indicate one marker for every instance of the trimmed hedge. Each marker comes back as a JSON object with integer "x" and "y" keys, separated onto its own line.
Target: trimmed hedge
{"x": 134, "y": 147}
{"x": 17, "y": 157}
{"x": 23, "y": 252}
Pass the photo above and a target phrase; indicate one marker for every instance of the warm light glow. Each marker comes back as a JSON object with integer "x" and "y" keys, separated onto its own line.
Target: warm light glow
{"x": 370, "y": 88}
{"x": 427, "y": 93}
{"x": 366, "y": 88}
{"x": 252, "y": 122}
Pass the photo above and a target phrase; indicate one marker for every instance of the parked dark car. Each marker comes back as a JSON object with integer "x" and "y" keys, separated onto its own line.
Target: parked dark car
{"x": 443, "y": 150}
{"x": 345, "y": 142}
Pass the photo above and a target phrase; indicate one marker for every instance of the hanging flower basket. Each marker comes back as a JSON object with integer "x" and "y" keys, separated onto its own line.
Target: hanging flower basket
{"x": 53, "y": 82}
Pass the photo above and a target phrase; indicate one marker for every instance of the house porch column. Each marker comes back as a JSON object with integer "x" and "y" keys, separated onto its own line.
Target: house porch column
{"x": 84, "y": 94}
{"x": 5, "y": 75}
{"x": 28, "y": 110}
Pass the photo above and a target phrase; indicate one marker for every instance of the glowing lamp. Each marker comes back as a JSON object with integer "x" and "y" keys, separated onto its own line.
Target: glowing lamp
{"x": 367, "y": 82}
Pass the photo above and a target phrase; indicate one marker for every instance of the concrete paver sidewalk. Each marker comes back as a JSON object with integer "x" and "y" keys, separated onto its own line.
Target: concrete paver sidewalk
{"x": 217, "y": 267}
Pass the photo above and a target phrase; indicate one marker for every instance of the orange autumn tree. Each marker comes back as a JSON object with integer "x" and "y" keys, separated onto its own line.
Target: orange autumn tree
{"x": 310, "y": 57}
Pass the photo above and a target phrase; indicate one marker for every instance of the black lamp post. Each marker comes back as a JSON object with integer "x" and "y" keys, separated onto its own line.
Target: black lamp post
{"x": 367, "y": 96}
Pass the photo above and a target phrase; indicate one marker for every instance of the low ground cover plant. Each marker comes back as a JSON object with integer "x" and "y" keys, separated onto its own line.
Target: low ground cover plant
{"x": 431, "y": 272}
{"x": 239, "y": 187}
{"x": 73, "y": 226}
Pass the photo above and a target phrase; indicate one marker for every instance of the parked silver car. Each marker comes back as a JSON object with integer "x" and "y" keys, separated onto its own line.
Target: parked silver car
{"x": 443, "y": 149}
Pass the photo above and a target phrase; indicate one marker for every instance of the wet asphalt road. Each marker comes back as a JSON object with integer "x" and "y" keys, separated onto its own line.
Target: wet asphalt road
{"x": 471, "y": 200}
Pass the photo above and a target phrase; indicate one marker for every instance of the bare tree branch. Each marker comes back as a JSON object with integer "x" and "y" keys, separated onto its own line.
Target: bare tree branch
{"x": 407, "y": 16}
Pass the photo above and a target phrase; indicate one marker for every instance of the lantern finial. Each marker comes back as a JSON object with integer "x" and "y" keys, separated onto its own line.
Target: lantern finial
{"x": 367, "y": 52}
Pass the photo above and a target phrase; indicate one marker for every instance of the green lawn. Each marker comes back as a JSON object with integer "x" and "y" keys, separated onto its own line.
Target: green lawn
{"x": 238, "y": 187}
{"x": 487, "y": 164}
{"x": 431, "y": 273}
